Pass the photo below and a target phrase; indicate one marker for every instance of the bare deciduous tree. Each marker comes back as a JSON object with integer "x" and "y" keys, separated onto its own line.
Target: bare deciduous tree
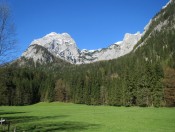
{"x": 7, "y": 34}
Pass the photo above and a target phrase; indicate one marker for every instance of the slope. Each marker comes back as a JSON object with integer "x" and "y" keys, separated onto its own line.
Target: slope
{"x": 144, "y": 77}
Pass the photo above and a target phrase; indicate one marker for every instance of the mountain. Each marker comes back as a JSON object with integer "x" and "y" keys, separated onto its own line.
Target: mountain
{"x": 64, "y": 47}
{"x": 58, "y": 45}
{"x": 112, "y": 52}
{"x": 143, "y": 75}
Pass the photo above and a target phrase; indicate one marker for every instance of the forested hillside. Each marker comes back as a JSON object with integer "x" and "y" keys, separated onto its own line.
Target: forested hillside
{"x": 144, "y": 77}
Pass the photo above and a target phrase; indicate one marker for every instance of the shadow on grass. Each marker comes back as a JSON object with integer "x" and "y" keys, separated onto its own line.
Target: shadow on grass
{"x": 58, "y": 126}
{"x": 44, "y": 123}
{"x": 26, "y": 119}
{"x": 9, "y": 113}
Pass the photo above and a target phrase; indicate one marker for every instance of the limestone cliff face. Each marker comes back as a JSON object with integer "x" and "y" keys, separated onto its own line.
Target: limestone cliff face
{"x": 64, "y": 47}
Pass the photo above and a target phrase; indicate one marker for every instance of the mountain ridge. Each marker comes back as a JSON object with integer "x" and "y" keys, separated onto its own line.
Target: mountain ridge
{"x": 145, "y": 77}
{"x": 64, "y": 47}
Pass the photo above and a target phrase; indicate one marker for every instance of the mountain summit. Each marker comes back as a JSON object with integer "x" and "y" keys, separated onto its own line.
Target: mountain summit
{"x": 60, "y": 45}
{"x": 144, "y": 77}
{"x": 64, "y": 47}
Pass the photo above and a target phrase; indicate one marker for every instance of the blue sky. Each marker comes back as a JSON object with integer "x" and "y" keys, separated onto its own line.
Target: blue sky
{"x": 92, "y": 24}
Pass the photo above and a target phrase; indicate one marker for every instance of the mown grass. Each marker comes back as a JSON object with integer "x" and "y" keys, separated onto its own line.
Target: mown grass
{"x": 67, "y": 117}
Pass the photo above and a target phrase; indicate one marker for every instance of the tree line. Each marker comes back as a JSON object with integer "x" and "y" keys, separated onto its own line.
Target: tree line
{"x": 144, "y": 77}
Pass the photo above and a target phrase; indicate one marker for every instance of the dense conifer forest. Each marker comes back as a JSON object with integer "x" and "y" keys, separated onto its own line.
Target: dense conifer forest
{"x": 144, "y": 77}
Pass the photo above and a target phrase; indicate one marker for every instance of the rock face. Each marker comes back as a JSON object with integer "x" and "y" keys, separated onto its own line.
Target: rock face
{"x": 38, "y": 54}
{"x": 64, "y": 47}
{"x": 114, "y": 51}
{"x": 59, "y": 45}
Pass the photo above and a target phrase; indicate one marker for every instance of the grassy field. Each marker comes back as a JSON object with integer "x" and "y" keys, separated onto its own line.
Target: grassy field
{"x": 67, "y": 117}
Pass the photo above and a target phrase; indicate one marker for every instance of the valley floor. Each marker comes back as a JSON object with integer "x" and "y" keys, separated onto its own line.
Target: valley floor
{"x": 67, "y": 117}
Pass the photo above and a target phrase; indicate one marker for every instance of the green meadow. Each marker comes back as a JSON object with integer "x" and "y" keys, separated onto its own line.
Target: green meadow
{"x": 68, "y": 117}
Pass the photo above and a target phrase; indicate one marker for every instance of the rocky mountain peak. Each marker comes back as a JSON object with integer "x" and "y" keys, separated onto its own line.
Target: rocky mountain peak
{"x": 54, "y": 38}
{"x": 132, "y": 38}
{"x": 64, "y": 47}
{"x": 51, "y": 34}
